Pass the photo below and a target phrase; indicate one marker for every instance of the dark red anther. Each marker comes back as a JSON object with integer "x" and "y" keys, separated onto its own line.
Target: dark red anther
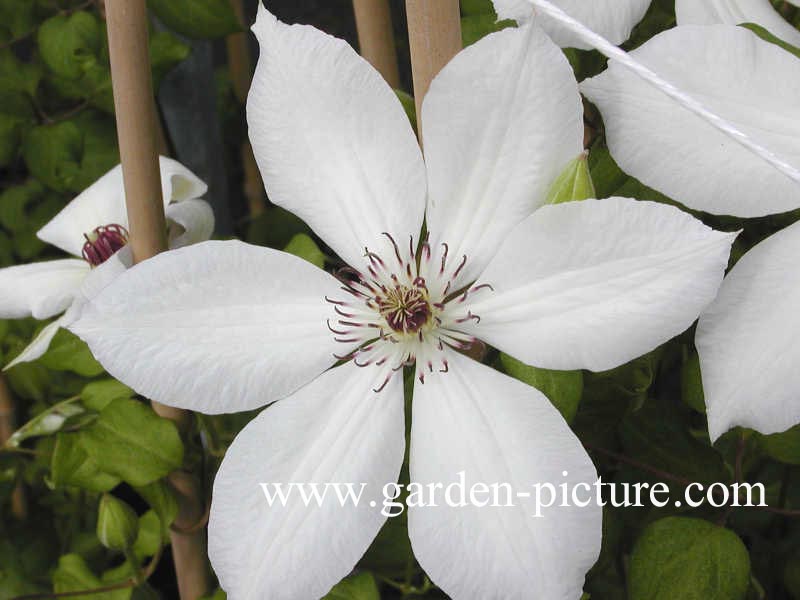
{"x": 103, "y": 242}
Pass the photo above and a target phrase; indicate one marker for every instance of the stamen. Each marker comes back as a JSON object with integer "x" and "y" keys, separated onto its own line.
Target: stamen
{"x": 103, "y": 242}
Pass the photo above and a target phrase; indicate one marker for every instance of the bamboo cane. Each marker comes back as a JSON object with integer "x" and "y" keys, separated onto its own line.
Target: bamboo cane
{"x": 376, "y": 37}
{"x": 138, "y": 144}
{"x": 434, "y": 36}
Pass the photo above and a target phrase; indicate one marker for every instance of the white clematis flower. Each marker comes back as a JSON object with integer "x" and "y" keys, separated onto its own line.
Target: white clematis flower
{"x": 740, "y": 77}
{"x": 92, "y": 228}
{"x": 745, "y": 338}
{"x": 735, "y": 12}
{"x": 588, "y": 284}
{"x": 613, "y": 19}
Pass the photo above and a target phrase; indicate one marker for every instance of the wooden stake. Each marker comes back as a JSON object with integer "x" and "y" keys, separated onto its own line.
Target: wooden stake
{"x": 19, "y": 505}
{"x": 376, "y": 37}
{"x": 241, "y": 70}
{"x": 138, "y": 148}
{"x": 434, "y": 36}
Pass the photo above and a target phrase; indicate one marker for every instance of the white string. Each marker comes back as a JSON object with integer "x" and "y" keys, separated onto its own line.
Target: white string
{"x": 622, "y": 57}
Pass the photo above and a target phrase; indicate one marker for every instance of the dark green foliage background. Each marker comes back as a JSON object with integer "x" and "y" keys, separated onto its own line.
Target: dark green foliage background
{"x": 91, "y": 457}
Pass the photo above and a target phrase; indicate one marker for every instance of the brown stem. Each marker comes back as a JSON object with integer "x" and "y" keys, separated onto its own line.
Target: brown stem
{"x": 241, "y": 70}
{"x": 19, "y": 505}
{"x": 138, "y": 145}
{"x": 434, "y": 36}
{"x": 376, "y": 37}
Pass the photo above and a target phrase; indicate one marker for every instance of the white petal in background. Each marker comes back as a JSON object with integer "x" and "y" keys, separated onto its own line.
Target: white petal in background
{"x": 215, "y": 327}
{"x": 747, "y": 340}
{"x": 500, "y": 123}
{"x": 41, "y": 289}
{"x": 332, "y": 141}
{"x": 194, "y": 220}
{"x": 613, "y": 19}
{"x": 499, "y": 430}
{"x": 103, "y": 203}
{"x": 750, "y": 82}
{"x": 734, "y": 12}
{"x": 337, "y": 430}
{"x": 594, "y": 284}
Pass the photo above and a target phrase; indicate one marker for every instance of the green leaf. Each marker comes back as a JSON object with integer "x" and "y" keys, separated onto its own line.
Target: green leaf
{"x": 70, "y": 465}
{"x": 564, "y": 389}
{"x": 150, "y": 535}
{"x": 477, "y": 26}
{"x": 607, "y": 177}
{"x": 166, "y": 51}
{"x": 100, "y": 150}
{"x": 197, "y": 18}
{"x": 29, "y": 380}
{"x": 98, "y": 394}
{"x": 73, "y": 575}
{"x": 70, "y": 45}
{"x": 67, "y": 352}
{"x": 17, "y": 19}
{"x": 356, "y": 587}
{"x": 692, "y": 384}
{"x": 783, "y": 447}
{"x": 48, "y": 422}
{"x": 16, "y": 114}
{"x": 132, "y": 442}
{"x": 53, "y": 153}
{"x": 574, "y": 183}
{"x": 765, "y": 35}
{"x": 306, "y": 248}
{"x": 477, "y": 7}
{"x": 407, "y": 101}
{"x": 18, "y": 76}
{"x": 162, "y": 500}
{"x": 689, "y": 559}
{"x": 15, "y": 202}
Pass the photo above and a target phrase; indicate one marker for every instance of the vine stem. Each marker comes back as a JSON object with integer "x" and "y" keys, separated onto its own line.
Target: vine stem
{"x": 138, "y": 145}
{"x": 376, "y": 38}
{"x": 434, "y": 37}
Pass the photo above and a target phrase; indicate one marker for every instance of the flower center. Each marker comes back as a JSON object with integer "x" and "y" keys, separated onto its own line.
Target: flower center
{"x": 403, "y": 310}
{"x": 103, "y": 242}
{"x": 406, "y": 309}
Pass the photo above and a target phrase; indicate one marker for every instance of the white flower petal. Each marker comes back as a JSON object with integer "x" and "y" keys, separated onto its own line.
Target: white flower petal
{"x": 214, "y": 327}
{"x": 102, "y": 275}
{"x": 41, "y": 289}
{"x": 40, "y": 343}
{"x": 103, "y": 203}
{"x": 498, "y": 430}
{"x": 332, "y": 141}
{"x": 594, "y": 284}
{"x": 195, "y": 219}
{"x": 734, "y": 12}
{"x": 747, "y": 340}
{"x": 334, "y": 430}
{"x": 500, "y": 122}
{"x": 613, "y": 19}
{"x": 753, "y": 84}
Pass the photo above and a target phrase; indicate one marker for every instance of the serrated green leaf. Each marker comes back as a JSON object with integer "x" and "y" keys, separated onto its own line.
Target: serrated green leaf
{"x": 356, "y": 587}
{"x": 564, "y": 389}
{"x": 70, "y": 465}
{"x": 132, "y": 442}
{"x": 574, "y": 183}
{"x": 690, "y": 559}
{"x": 70, "y": 44}
{"x": 303, "y": 246}
{"x": 197, "y": 18}
{"x": 53, "y": 153}
{"x": 67, "y": 352}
